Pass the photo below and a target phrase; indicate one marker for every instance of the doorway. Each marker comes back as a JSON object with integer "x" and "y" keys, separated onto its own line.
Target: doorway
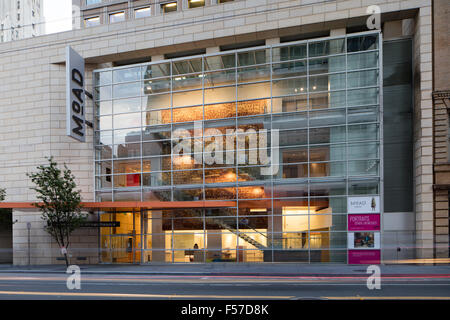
{"x": 6, "y": 255}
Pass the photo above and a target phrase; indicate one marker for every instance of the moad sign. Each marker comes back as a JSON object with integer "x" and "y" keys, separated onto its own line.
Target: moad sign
{"x": 75, "y": 95}
{"x": 363, "y": 204}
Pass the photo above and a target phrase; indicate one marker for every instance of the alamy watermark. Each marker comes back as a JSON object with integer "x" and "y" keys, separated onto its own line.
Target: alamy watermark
{"x": 74, "y": 279}
{"x": 374, "y": 20}
{"x": 211, "y": 146}
{"x": 374, "y": 280}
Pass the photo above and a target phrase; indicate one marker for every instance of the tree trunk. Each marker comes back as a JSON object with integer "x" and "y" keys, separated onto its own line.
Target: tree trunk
{"x": 67, "y": 259}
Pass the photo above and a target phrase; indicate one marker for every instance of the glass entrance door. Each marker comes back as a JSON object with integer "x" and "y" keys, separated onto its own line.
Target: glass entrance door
{"x": 121, "y": 244}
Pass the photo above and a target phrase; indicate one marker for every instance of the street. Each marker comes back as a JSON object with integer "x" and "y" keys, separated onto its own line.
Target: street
{"x": 199, "y": 287}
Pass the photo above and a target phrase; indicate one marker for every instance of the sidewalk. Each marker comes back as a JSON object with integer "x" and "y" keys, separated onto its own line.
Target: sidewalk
{"x": 238, "y": 269}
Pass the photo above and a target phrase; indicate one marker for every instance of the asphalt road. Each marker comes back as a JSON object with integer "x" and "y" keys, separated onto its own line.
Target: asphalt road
{"x": 54, "y": 287}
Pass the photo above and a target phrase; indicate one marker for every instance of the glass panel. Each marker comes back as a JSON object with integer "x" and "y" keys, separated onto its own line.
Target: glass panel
{"x": 129, "y": 120}
{"x": 187, "y": 66}
{"x": 327, "y": 47}
{"x": 362, "y": 43}
{"x": 126, "y": 75}
{"x": 103, "y": 78}
{"x": 156, "y": 70}
{"x": 363, "y": 132}
{"x": 105, "y": 123}
{"x": 363, "y": 167}
{"x": 327, "y": 82}
{"x": 187, "y": 114}
{"x": 218, "y": 95}
{"x": 220, "y": 193}
{"x": 329, "y": 204}
{"x": 321, "y": 240}
{"x": 289, "y": 69}
{"x": 104, "y": 182}
{"x": 188, "y": 82}
{"x": 127, "y": 105}
{"x": 326, "y": 65}
{"x": 156, "y": 117}
{"x": 104, "y": 107}
{"x": 290, "y": 104}
{"x": 187, "y": 177}
{"x": 220, "y": 78}
{"x": 289, "y": 86}
{"x": 127, "y": 166}
{"x": 363, "y": 151}
{"x": 361, "y": 115}
{"x": 362, "y": 60}
{"x": 126, "y": 136}
{"x": 156, "y": 133}
{"x": 128, "y": 180}
{"x": 156, "y": 195}
{"x": 327, "y": 169}
{"x": 293, "y": 52}
{"x": 327, "y": 135}
{"x": 157, "y": 163}
{"x": 254, "y": 107}
{"x": 132, "y": 89}
{"x": 362, "y": 78}
{"x": 290, "y": 120}
{"x": 187, "y": 194}
{"x": 370, "y": 187}
{"x": 154, "y": 148}
{"x": 220, "y": 111}
{"x": 103, "y": 137}
{"x": 189, "y": 98}
{"x": 157, "y": 85}
{"x": 284, "y": 190}
{"x": 254, "y": 91}
{"x": 104, "y": 152}
{"x": 293, "y": 137}
{"x": 220, "y": 175}
{"x": 156, "y": 102}
{"x": 156, "y": 179}
{"x": 224, "y": 61}
{"x": 324, "y": 118}
{"x": 103, "y": 93}
{"x": 330, "y": 188}
{"x": 253, "y": 74}
{"x": 253, "y": 57}
{"x": 127, "y": 150}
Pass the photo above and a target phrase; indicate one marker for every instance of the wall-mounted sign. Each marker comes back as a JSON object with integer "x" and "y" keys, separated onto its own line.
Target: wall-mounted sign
{"x": 363, "y": 222}
{"x": 363, "y": 204}
{"x": 75, "y": 95}
{"x": 363, "y": 240}
{"x": 364, "y": 256}
{"x": 100, "y": 224}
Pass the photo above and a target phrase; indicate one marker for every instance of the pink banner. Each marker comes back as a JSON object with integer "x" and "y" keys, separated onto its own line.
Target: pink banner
{"x": 363, "y": 222}
{"x": 364, "y": 256}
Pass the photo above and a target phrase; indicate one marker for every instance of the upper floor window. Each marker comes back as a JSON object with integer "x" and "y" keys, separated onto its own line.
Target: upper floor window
{"x": 196, "y": 3}
{"x": 89, "y": 2}
{"x": 93, "y": 21}
{"x": 142, "y": 12}
{"x": 117, "y": 17}
{"x": 223, "y": 1}
{"x": 169, "y": 7}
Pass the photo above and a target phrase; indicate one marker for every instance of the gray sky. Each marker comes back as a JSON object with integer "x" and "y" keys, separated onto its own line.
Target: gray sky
{"x": 58, "y": 15}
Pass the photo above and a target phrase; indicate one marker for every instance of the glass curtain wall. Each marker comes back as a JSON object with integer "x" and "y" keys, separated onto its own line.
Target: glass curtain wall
{"x": 281, "y": 134}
